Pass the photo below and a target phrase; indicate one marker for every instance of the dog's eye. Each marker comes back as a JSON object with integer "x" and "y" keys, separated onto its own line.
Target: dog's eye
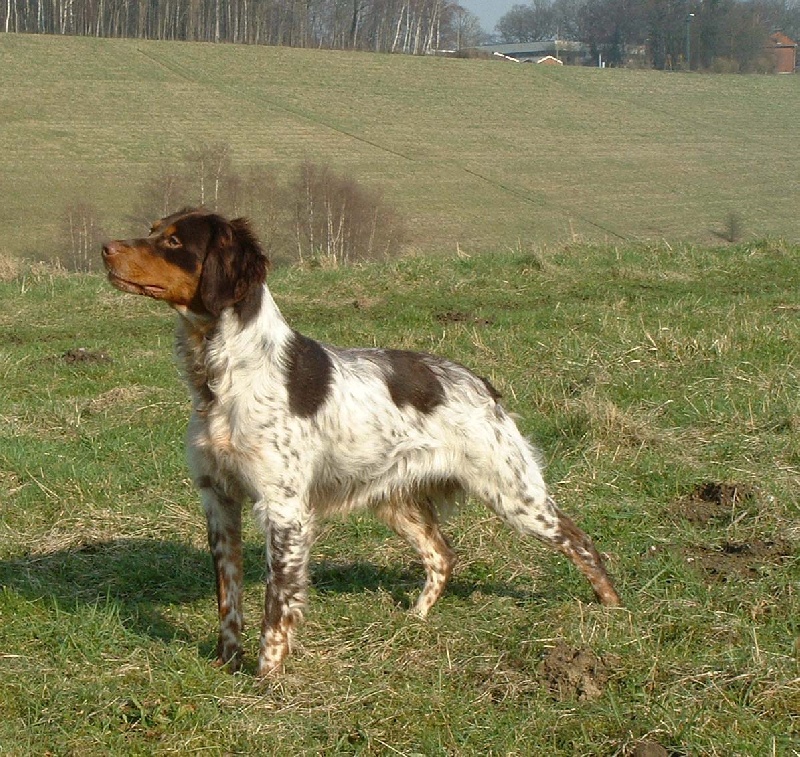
{"x": 173, "y": 241}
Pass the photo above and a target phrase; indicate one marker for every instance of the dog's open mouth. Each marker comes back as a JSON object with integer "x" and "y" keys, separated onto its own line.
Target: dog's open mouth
{"x": 148, "y": 290}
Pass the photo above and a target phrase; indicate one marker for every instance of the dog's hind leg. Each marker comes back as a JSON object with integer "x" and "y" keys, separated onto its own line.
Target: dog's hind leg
{"x": 562, "y": 533}
{"x": 415, "y": 520}
{"x": 509, "y": 480}
{"x": 540, "y": 517}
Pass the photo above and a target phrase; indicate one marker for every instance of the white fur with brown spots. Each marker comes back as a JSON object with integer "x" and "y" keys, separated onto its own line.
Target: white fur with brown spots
{"x": 304, "y": 430}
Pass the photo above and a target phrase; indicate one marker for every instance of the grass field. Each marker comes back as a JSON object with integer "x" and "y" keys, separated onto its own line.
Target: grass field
{"x": 661, "y": 384}
{"x": 475, "y": 154}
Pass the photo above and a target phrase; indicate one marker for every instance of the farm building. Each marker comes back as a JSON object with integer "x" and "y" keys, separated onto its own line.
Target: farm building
{"x": 784, "y": 51}
{"x": 563, "y": 51}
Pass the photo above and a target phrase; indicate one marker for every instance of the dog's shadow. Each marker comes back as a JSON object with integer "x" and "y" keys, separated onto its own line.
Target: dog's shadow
{"x": 144, "y": 578}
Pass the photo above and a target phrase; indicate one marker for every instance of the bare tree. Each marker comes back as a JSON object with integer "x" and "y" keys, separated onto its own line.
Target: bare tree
{"x": 209, "y": 168}
{"x": 83, "y": 234}
{"x": 340, "y": 221}
{"x": 528, "y": 23}
{"x": 318, "y": 214}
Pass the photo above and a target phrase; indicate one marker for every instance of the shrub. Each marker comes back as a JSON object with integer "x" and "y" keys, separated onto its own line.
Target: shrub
{"x": 318, "y": 215}
{"x": 158, "y": 198}
{"x": 9, "y": 268}
{"x": 722, "y": 65}
{"x": 733, "y": 230}
{"x": 262, "y": 198}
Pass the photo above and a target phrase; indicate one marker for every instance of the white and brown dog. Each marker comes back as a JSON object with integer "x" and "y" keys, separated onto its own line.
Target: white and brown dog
{"x": 304, "y": 430}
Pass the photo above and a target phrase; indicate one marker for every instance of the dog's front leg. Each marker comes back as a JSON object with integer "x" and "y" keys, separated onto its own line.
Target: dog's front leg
{"x": 224, "y": 521}
{"x": 288, "y": 549}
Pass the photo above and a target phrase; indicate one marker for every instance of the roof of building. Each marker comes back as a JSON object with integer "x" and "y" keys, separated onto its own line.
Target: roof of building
{"x": 535, "y": 49}
{"x": 781, "y": 40}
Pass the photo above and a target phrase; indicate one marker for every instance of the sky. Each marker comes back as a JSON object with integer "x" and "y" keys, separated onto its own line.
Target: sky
{"x": 490, "y": 11}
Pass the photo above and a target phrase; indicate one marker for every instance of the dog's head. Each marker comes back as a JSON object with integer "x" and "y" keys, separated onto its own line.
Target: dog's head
{"x": 196, "y": 261}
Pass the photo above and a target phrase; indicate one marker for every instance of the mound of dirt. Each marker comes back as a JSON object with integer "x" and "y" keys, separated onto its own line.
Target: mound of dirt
{"x": 743, "y": 559}
{"x": 576, "y": 673}
{"x": 82, "y": 355}
{"x": 457, "y": 316}
{"x": 649, "y": 749}
{"x": 714, "y": 502}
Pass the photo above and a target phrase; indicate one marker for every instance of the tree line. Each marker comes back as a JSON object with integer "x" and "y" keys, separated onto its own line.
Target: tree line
{"x": 705, "y": 34}
{"x": 725, "y": 35}
{"x": 406, "y": 26}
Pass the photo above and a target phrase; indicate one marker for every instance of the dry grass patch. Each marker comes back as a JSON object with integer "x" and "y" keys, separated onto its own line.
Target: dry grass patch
{"x": 610, "y": 427}
{"x": 125, "y": 400}
{"x": 9, "y": 268}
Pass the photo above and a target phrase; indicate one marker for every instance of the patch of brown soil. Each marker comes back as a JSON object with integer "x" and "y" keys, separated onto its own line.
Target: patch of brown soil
{"x": 364, "y": 303}
{"x": 649, "y": 749}
{"x": 457, "y": 316}
{"x": 714, "y": 502}
{"x": 576, "y": 673}
{"x": 742, "y": 559}
{"x": 82, "y": 355}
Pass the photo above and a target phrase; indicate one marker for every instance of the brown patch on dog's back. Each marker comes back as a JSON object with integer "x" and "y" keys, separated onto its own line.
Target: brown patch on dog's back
{"x": 308, "y": 375}
{"x": 491, "y": 389}
{"x": 412, "y": 382}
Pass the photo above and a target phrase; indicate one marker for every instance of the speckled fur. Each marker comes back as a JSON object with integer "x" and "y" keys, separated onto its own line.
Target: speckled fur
{"x": 305, "y": 430}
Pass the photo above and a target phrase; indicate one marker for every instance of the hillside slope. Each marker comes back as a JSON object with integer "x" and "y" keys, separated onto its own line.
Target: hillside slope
{"x": 482, "y": 154}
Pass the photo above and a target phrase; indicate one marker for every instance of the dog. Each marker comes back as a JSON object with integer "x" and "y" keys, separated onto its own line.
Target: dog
{"x": 304, "y": 430}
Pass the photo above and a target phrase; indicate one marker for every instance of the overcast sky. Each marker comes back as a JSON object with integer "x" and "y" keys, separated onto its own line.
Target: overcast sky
{"x": 489, "y": 11}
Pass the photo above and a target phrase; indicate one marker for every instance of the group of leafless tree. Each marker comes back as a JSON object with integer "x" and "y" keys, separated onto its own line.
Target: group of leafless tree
{"x": 730, "y": 35}
{"x": 407, "y": 26}
{"x": 317, "y": 215}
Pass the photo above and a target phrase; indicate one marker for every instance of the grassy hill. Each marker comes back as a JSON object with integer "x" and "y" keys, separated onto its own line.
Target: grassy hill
{"x": 479, "y": 154}
{"x": 661, "y": 384}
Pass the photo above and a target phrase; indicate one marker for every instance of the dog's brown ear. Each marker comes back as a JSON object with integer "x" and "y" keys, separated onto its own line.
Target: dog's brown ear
{"x": 234, "y": 269}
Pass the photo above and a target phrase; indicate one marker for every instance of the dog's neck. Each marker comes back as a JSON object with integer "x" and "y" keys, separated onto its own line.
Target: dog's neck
{"x": 206, "y": 346}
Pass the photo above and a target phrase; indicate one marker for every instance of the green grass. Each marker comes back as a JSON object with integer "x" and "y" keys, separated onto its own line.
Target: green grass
{"x": 642, "y": 371}
{"x": 475, "y": 154}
